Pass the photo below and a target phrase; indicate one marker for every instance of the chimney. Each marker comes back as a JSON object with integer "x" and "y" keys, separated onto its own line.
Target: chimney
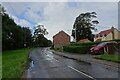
{"x": 113, "y": 36}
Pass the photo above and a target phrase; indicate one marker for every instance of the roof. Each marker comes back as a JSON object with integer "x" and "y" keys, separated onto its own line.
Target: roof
{"x": 98, "y": 40}
{"x": 84, "y": 40}
{"x": 59, "y": 33}
{"x": 105, "y": 32}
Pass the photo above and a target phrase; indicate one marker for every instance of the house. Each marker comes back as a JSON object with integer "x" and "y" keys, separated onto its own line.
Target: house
{"x": 61, "y": 39}
{"x": 106, "y": 35}
{"x": 84, "y": 40}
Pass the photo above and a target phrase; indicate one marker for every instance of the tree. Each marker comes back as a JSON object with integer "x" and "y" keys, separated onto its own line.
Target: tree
{"x": 14, "y": 36}
{"x": 83, "y": 25}
{"x": 2, "y": 10}
{"x": 8, "y": 27}
{"x": 27, "y": 37}
{"x": 40, "y": 30}
{"x": 39, "y": 39}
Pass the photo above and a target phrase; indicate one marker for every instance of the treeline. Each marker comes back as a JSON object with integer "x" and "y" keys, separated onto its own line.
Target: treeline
{"x": 15, "y": 36}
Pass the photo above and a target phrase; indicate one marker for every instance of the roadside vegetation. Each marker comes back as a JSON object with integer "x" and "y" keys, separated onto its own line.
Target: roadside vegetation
{"x": 109, "y": 57}
{"x": 16, "y": 43}
{"x": 14, "y": 62}
{"x": 0, "y": 65}
{"x": 80, "y": 48}
{"x": 58, "y": 49}
{"x": 15, "y": 36}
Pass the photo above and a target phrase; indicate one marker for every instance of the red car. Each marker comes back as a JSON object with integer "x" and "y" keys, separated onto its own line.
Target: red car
{"x": 99, "y": 49}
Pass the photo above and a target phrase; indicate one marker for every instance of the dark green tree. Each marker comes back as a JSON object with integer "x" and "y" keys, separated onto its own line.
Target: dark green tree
{"x": 27, "y": 37}
{"x": 40, "y": 30}
{"x": 39, "y": 39}
{"x": 8, "y": 27}
{"x": 14, "y": 36}
{"x": 83, "y": 25}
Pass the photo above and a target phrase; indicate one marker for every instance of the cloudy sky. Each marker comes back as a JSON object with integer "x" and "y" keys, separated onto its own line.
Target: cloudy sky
{"x": 57, "y": 16}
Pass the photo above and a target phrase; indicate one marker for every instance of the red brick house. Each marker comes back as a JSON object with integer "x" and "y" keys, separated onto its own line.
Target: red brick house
{"x": 61, "y": 39}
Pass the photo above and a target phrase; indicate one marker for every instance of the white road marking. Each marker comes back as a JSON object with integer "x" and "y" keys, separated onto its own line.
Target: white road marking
{"x": 77, "y": 70}
{"x": 81, "y": 72}
{"x": 55, "y": 59}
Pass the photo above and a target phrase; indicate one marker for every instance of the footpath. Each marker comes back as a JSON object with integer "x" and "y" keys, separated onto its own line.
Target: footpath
{"x": 89, "y": 59}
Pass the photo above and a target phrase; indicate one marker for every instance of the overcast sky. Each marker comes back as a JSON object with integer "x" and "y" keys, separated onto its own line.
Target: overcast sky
{"x": 57, "y": 16}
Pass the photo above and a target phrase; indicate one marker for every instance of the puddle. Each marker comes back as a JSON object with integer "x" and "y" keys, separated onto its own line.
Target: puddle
{"x": 31, "y": 65}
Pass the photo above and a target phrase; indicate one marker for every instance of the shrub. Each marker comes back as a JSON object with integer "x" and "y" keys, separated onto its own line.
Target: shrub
{"x": 76, "y": 49}
{"x": 79, "y": 47}
{"x": 84, "y": 44}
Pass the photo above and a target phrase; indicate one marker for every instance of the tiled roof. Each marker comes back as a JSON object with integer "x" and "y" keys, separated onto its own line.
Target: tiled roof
{"x": 98, "y": 40}
{"x": 60, "y": 32}
{"x": 105, "y": 32}
{"x": 84, "y": 40}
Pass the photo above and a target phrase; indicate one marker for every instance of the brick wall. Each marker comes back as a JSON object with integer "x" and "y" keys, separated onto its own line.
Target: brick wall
{"x": 61, "y": 39}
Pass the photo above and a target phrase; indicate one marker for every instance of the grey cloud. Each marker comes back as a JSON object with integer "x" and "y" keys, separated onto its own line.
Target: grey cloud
{"x": 61, "y": 16}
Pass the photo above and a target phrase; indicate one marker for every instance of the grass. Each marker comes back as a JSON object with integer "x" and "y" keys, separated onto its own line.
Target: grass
{"x": 14, "y": 62}
{"x": 58, "y": 49}
{"x": 0, "y": 65}
{"x": 109, "y": 57}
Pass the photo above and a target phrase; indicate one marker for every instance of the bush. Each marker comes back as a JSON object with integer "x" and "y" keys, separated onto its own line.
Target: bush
{"x": 79, "y": 47}
{"x": 84, "y": 44}
{"x": 76, "y": 49}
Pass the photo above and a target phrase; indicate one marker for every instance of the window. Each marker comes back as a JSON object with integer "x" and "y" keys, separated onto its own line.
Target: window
{"x": 100, "y": 35}
{"x": 105, "y": 35}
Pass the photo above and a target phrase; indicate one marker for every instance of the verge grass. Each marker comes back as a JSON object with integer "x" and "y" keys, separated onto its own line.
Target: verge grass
{"x": 0, "y": 65}
{"x": 13, "y": 62}
{"x": 109, "y": 57}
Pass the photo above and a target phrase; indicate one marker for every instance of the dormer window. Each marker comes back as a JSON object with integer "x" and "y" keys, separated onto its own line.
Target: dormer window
{"x": 105, "y": 35}
{"x": 100, "y": 35}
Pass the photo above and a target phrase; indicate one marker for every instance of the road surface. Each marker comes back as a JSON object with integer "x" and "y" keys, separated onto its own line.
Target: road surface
{"x": 45, "y": 64}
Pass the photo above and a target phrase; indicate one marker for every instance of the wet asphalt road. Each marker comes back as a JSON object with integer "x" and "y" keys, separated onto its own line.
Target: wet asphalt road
{"x": 45, "y": 64}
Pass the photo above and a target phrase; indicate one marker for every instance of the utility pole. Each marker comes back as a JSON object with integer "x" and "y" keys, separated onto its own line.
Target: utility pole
{"x": 75, "y": 30}
{"x": 75, "y": 34}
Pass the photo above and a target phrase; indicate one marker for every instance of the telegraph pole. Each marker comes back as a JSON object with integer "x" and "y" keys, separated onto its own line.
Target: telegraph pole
{"x": 75, "y": 34}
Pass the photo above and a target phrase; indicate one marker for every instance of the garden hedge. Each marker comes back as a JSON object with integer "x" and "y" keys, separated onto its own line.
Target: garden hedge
{"x": 81, "y": 48}
{"x": 84, "y": 44}
{"x": 76, "y": 49}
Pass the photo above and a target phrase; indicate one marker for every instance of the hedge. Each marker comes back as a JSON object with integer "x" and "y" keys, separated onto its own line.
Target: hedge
{"x": 84, "y": 44}
{"x": 81, "y": 48}
{"x": 76, "y": 49}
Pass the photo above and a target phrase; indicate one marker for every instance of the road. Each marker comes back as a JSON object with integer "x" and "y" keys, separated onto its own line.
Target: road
{"x": 45, "y": 64}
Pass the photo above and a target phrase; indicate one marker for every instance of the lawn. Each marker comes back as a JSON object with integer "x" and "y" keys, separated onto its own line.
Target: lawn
{"x": 109, "y": 57}
{"x": 13, "y": 62}
{"x": 0, "y": 65}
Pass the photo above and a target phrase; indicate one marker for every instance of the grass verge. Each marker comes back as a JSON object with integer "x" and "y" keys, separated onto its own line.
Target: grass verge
{"x": 0, "y": 65}
{"x": 58, "y": 49}
{"x": 14, "y": 62}
{"x": 109, "y": 57}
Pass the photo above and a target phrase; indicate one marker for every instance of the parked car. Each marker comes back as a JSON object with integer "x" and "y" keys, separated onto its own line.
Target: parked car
{"x": 99, "y": 49}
